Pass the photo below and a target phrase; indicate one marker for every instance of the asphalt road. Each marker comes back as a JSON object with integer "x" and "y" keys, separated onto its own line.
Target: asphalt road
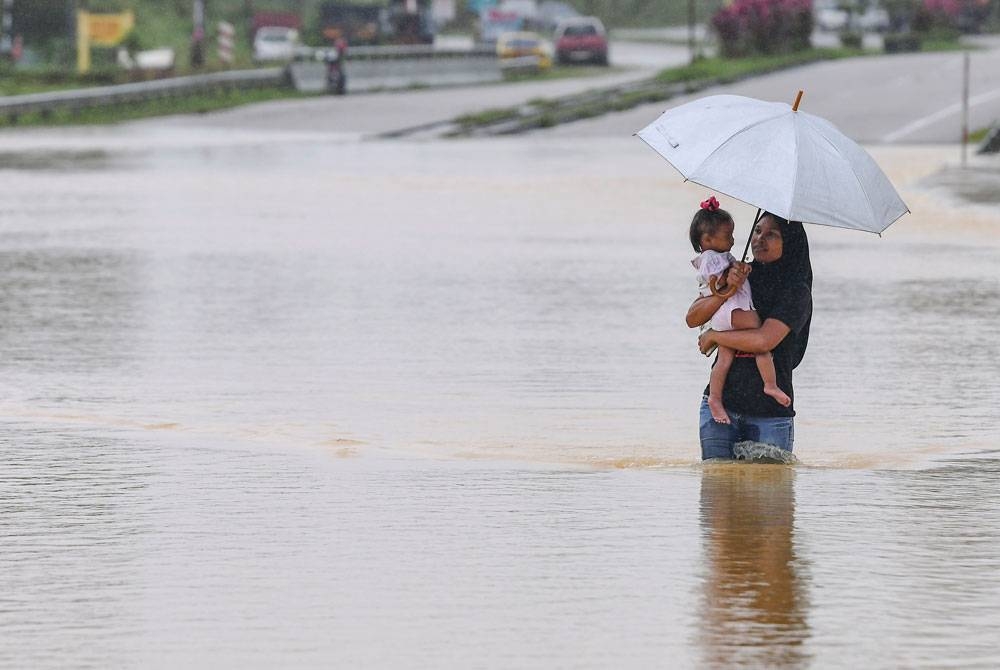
{"x": 897, "y": 99}
{"x": 905, "y": 99}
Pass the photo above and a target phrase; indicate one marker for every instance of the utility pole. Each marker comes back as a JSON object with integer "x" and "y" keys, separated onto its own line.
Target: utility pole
{"x": 965, "y": 109}
{"x": 692, "y": 20}
{"x": 198, "y": 34}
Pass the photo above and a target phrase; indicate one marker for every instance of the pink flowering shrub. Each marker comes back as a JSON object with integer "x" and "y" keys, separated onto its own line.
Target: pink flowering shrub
{"x": 964, "y": 15}
{"x": 748, "y": 27}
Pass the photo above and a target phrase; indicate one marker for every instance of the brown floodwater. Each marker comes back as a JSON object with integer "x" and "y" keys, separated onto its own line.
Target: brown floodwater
{"x": 303, "y": 400}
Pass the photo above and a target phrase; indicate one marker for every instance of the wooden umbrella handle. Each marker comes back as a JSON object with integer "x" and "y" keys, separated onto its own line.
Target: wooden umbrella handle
{"x": 713, "y": 285}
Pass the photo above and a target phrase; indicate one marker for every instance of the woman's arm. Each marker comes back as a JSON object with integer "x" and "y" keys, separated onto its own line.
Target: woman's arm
{"x": 752, "y": 340}
{"x": 702, "y": 309}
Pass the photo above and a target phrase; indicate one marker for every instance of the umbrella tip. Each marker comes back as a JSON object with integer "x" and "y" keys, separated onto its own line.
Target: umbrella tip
{"x": 798, "y": 98}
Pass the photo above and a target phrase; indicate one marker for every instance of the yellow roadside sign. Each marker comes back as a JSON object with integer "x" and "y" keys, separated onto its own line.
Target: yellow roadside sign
{"x": 103, "y": 30}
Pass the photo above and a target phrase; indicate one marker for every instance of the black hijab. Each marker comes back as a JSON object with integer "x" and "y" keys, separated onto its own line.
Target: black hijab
{"x": 770, "y": 280}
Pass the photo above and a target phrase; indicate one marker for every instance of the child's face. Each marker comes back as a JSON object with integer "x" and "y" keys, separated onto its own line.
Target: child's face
{"x": 721, "y": 240}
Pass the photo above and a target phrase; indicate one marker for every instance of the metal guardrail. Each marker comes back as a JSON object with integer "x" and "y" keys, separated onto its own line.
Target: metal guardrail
{"x": 139, "y": 91}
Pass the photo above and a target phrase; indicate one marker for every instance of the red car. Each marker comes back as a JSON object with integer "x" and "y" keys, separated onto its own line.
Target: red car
{"x": 581, "y": 39}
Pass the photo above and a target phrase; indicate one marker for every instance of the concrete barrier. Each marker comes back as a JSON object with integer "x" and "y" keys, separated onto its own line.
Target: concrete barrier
{"x": 395, "y": 67}
{"x": 308, "y": 76}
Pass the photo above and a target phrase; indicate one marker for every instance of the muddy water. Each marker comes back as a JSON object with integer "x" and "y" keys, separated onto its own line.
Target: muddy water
{"x": 302, "y": 400}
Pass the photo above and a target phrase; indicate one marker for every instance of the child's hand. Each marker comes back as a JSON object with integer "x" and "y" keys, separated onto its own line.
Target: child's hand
{"x": 736, "y": 274}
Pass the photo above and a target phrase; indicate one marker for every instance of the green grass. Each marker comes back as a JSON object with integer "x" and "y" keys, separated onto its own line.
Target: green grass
{"x": 978, "y": 136}
{"x": 487, "y": 117}
{"x": 945, "y": 44}
{"x": 197, "y": 104}
{"x": 562, "y": 72}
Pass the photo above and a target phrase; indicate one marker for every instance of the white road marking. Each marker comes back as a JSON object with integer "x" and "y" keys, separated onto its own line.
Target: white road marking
{"x": 950, "y": 110}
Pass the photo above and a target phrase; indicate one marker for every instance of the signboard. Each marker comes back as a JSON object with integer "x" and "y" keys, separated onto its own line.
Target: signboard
{"x": 104, "y": 30}
{"x": 108, "y": 30}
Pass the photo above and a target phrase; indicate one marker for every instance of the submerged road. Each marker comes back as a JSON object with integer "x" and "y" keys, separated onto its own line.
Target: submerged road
{"x": 904, "y": 99}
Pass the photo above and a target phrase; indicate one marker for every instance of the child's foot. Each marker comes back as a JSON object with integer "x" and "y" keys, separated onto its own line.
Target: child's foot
{"x": 718, "y": 411}
{"x": 778, "y": 395}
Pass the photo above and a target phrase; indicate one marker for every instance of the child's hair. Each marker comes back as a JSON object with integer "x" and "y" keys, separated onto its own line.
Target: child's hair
{"x": 707, "y": 220}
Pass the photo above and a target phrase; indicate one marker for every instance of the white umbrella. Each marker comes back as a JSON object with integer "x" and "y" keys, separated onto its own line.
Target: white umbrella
{"x": 784, "y": 161}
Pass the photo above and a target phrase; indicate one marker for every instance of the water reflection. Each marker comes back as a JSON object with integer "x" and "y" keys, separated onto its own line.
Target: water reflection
{"x": 754, "y": 605}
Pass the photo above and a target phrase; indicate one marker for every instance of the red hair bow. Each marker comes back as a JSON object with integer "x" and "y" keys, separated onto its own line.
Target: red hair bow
{"x": 711, "y": 204}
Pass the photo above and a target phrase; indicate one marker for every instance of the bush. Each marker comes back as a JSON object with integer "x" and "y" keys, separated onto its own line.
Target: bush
{"x": 901, "y": 42}
{"x": 961, "y": 15}
{"x": 748, "y": 27}
{"x": 851, "y": 39}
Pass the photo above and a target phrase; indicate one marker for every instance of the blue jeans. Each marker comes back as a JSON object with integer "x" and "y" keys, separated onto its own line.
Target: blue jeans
{"x": 717, "y": 439}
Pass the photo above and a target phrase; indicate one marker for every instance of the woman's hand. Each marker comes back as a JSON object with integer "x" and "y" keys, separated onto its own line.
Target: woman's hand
{"x": 707, "y": 343}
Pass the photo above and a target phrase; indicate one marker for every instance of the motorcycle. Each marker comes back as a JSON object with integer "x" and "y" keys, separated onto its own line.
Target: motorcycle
{"x": 336, "y": 77}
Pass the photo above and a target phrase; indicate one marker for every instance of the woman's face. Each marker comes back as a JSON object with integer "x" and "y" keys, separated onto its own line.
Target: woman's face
{"x": 766, "y": 241}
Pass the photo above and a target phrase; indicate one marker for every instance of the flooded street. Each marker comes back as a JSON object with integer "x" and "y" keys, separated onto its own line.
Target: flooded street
{"x": 299, "y": 399}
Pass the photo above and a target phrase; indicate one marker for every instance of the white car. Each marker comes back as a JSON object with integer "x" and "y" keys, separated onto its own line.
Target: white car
{"x": 873, "y": 19}
{"x": 275, "y": 43}
{"x": 829, "y": 16}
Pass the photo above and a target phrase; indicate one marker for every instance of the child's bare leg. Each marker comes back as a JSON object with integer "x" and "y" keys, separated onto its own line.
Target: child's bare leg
{"x": 745, "y": 318}
{"x": 716, "y": 381}
{"x": 765, "y": 365}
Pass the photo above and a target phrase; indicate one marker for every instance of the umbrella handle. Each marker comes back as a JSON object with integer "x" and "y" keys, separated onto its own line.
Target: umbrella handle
{"x": 713, "y": 286}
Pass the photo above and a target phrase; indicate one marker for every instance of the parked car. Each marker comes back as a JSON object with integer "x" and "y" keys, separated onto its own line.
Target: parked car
{"x": 830, "y": 15}
{"x": 873, "y": 19}
{"x": 275, "y": 43}
{"x": 516, "y": 45}
{"x": 581, "y": 39}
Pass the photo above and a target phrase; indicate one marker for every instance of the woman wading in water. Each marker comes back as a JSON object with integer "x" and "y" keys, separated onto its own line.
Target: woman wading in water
{"x": 781, "y": 280}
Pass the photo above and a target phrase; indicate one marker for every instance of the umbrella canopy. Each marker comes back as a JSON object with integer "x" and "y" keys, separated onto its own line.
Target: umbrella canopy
{"x": 787, "y": 162}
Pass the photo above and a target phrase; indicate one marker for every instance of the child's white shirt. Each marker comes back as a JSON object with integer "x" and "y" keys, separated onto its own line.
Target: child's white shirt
{"x": 709, "y": 263}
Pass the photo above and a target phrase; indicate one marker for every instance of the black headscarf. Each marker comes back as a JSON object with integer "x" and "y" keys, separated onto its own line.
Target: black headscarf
{"x": 770, "y": 280}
